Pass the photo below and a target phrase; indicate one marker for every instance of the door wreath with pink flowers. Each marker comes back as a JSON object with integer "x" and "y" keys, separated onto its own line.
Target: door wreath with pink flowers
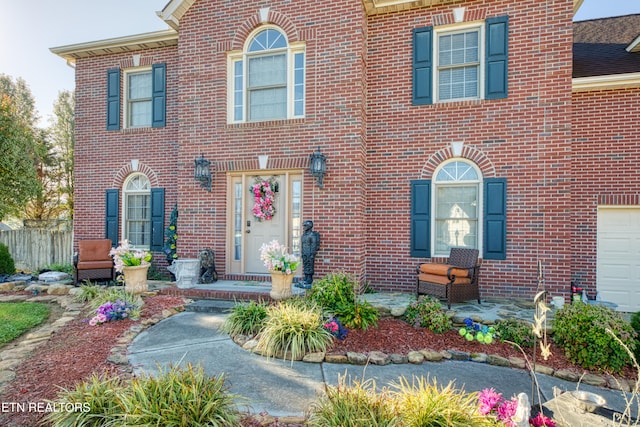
{"x": 264, "y": 193}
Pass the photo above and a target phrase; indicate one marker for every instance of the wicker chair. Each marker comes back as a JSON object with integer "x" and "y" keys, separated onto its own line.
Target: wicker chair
{"x": 455, "y": 281}
{"x": 93, "y": 261}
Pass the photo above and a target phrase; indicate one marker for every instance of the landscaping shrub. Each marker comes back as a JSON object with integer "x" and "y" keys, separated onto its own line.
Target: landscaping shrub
{"x": 173, "y": 397}
{"x": 334, "y": 291}
{"x": 292, "y": 330}
{"x": 7, "y": 266}
{"x": 87, "y": 292}
{"x": 245, "y": 319}
{"x": 516, "y": 331}
{"x": 179, "y": 397}
{"x": 428, "y": 313}
{"x": 635, "y": 324}
{"x": 65, "y": 268}
{"x": 353, "y": 406}
{"x": 425, "y": 403}
{"x": 580, "y": 330}
{"x": 92, "y": 403}
{"x": 359, "y": 315}
{"x": 336, "y": 294}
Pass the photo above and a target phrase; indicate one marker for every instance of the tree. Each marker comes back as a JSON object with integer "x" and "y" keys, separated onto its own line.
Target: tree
{"x": 18, "y": 176}
{"x": 62, "y": 137}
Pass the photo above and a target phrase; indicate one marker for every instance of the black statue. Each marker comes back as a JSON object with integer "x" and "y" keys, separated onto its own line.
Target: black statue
{"x": 310, "y": 244}
{"x": 208, "y": 273}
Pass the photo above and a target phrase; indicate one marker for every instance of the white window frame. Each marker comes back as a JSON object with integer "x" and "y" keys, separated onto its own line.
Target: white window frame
{"x": 125, "y": 218}
{"x": 435, "y": 184}
{"x": 127, "y": 101}
{"x": 454, "y": 29}
{"x": 243, "y": 56}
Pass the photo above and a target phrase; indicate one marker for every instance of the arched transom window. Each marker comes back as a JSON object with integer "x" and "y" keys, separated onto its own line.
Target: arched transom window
{"x": 267, "y": 78}
{"x": 456, "y": 201}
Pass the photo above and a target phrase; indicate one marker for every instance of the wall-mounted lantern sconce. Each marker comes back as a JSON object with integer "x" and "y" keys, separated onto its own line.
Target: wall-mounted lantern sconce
{"x": 202, "y": 172}
{"x": 318, "y": 166}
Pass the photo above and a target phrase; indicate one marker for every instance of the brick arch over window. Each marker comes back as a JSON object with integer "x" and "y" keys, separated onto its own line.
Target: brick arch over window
{"x": 125, "y": 171}
{"x": 254, "y": 21}
{"x": 468, "y": 152}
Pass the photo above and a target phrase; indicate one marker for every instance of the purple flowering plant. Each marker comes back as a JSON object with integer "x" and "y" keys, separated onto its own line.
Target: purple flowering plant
{"x": 112, "y": 311}
{"x": 335, "y": 327}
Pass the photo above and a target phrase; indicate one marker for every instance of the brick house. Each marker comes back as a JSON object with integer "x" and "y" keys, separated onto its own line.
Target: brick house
{"x": 444, "y": 123}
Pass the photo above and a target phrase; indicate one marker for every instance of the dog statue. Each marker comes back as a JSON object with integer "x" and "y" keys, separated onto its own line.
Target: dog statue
{"x": 208, "y": 273}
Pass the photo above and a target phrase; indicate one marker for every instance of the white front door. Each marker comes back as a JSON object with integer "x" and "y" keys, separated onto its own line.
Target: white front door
{"x": 618, "y": 257}
{"x": 249, "y": 232}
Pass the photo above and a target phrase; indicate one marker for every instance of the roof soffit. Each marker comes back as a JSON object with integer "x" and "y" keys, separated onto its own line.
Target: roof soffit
{"x": 134, "y": 43}
{"x": 174, "y": 11}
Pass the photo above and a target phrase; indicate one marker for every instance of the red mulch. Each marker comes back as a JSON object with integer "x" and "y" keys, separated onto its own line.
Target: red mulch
{"x": 397, "y": 336}
{"x": 79, "y": 350}
{"x": 74, "y": 353}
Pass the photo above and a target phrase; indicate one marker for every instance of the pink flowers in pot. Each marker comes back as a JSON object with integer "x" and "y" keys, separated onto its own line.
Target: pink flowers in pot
{"x": 275, "y": 258}
{"x": 126, "y": 256}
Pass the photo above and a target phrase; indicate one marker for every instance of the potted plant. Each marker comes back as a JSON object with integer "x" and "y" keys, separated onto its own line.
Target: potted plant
{"x": 133, "y": 264}
{"x": 282, "y": 266}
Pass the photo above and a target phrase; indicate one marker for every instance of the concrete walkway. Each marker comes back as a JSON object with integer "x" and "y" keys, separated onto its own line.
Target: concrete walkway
{"x": 282, "y": 388}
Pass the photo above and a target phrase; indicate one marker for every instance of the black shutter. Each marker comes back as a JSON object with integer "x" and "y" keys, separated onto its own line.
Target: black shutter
{"x": 497, "y": 58}
{"x": 495, "y": 218}
{"x": 113, "y": 99}
{"x": 157, "y": 219}
{"x": 159, "y": 95}
{"x": 421, "y": 218}
{"x": 111, "y": 216}
{"x": 422, "y": 66}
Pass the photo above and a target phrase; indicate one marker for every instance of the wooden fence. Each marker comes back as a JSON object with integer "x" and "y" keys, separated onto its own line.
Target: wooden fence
{"x": 33, "y": 248}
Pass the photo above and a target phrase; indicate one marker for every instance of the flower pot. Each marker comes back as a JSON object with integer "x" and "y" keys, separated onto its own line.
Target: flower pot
{"x": 281, "y": 285}
{"x": 186, "y": 271}
{"x": 135, "y": 278}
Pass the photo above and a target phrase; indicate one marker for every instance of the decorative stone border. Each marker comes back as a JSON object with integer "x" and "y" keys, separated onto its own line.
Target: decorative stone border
{"x": 418, "y": 357}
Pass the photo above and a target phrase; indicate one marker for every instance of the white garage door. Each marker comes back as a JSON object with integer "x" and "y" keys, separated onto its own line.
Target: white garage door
{"x": 618, "y": 270}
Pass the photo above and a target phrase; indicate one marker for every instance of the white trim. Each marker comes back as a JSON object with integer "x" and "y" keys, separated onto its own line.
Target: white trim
{"x": 125, "y": 96}
{"x": 634, "y": 46}
{"x": 117, "y": 45}
{"x": 479, "y": 203}
{"x": 615, "y": 81}
{"x": 452, "y": 29}
{"x": 243, "y": 56}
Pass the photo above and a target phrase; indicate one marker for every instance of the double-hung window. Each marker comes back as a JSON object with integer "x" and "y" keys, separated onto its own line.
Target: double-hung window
{"x": 143, "y": 98}
{"x": 267, "y": 79}
{"x": 461, "y": 62}
{"x": 459, "y": 68}
{"x": 139, "y": 103}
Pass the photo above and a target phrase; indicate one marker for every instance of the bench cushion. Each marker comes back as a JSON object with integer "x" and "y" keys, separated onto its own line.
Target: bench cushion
{"x": 442, "y": 270}
{"x": 442, "y": 280}
{"x": 94, "y": 250}
{"x": 92, "y": 265}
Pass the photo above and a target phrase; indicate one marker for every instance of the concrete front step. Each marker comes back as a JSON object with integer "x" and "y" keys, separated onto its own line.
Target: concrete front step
{"x": 210, "y": 306}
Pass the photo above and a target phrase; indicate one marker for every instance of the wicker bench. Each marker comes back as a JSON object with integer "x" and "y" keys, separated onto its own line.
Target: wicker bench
{"x": 455, "y": 281}
{"x": 93, "y": 261}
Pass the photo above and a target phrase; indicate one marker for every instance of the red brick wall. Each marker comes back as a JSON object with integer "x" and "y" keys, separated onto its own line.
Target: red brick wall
{"x": 334, "y": 37}
{"x": 525, "y": 138}
{"x": 359, "y": 111}
{"x": 606, "y": 155}
{"x": 103, "y": 158}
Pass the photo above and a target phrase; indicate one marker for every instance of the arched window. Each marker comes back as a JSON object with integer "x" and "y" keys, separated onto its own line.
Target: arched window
{"x": 456, "y": 201}
{"x": 267, "y": 78}
{"x": 136, "y": 203}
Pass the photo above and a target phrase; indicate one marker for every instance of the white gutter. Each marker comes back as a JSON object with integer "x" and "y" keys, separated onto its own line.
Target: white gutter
{"x": 616, "y": 81}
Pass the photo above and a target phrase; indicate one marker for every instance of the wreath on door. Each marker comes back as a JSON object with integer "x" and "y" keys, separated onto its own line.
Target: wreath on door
{"x": 264, "y": 194}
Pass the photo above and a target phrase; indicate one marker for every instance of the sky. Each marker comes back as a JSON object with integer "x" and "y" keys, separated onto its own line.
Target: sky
{"x": 29, "y": 28}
